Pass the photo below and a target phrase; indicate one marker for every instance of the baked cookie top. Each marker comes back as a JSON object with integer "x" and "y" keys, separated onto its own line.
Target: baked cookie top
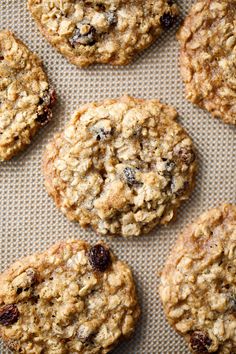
{"x": 208, "y": 56}
{"x": 72, "y": 298}
{"x": 198, "y": 287}
{"x": 25, "y": 95}
{"x": 103, "y": 31}
{"x": 121, "y": 166}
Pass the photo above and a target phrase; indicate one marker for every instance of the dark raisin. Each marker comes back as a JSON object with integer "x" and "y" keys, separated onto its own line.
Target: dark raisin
{"x": 186, "y": 155}
{"x": 35, "y": 299}
{"x": 111, "y": 17}
{"x": 101, "y": 7}
{"x": 19, "y": 291}
{"x": 170, "y": 2}
{"x": 99, "y": 257}
{"x": 200, "y": 342}
{"x": 1, "y": 57}
{"x": 9, "y": 314}
{"x": 85, "y": 34}
{"x": 41, "y": 101}
{"x": 45, "y": 104}
{"x": 167, "y": 20}
{"x": 130, "y": 175}
{"x": 45, "y": 117}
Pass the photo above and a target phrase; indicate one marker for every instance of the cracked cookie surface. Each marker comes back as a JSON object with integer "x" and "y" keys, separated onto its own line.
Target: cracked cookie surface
{"x": 25, "y": 95}
{"x": 198, "y": 288}
{"x": 87, "y": 32}
{"x": 121, "y": 166}
{"x": 72, "y": 298}
{"x": 208, "y": 56}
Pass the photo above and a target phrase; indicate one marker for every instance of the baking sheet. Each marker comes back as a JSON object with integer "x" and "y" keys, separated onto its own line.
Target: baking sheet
{"x": 30, "y": 222}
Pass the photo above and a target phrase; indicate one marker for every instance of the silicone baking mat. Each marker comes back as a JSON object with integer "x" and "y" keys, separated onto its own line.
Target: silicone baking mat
{"x": 30, "y": 222}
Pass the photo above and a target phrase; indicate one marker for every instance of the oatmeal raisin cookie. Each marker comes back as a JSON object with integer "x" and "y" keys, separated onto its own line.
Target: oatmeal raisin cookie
{"x": 122, "y": 166}
{"x": 198, "y": 287}
{"x": 208, "y": 57}
{"x": 87, "y": 32}
{"x": 72, "y": 298}
{"x": 26, "y": 97}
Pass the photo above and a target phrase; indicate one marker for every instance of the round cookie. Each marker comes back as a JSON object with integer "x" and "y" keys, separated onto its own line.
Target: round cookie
{"x": 208, "y": 55}
{"x": 88, "y": 32}
{"x": 198, "y": 287}
{"x": 72, "y": 298}
{"x": 25, "y": 95}
{"x": 122, "y": 166}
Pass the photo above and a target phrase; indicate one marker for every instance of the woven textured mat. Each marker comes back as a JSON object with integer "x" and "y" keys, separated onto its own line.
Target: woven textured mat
{"x": 30, "y": 222}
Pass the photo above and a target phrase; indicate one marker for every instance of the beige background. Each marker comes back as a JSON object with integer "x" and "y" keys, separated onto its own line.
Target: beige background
{"x": 29, "y": 221}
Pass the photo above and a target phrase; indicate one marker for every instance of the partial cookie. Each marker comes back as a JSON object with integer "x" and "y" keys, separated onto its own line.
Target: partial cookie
{"x": 88, "y": 32}
{"x": 73, "y": 298}
{"x": 198, "y": 287}
{"x": 208, "y": 56}
{"x": 121, "y": 166}
{"x": 26, "y": 98}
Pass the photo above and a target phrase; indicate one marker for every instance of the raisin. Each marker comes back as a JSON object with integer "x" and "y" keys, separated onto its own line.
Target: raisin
{"x": 46, "y": 102}
{"x": 111, "y": 17}
{"x": 186, "y": 155}
{"x": 100, "y": 7}
{"x": 35, "y": 299}
{"x": 167, "y": 20}
{"x": 9, "y": 314}
{"x": 85, "y": 34}
{"x": 1, "y": 57}
{"x": 130, "y": 176}
{"x": 200, "y": 342}
{"x": 44, "y": 118}
{"x": 99, "y": 257}
{"x": 19, "y": 291}
{"x": 170, "y": 2}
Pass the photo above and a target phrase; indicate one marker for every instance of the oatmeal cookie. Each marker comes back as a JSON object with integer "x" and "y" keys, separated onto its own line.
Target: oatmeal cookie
{"x": 87, "y": 32}
{"x": 121, "y": 166}
{"x": 208, "y": 56}
{"x": 73, "y": 298}
{"x": 25, "y": 95}
{"x": 198, "y": 287}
